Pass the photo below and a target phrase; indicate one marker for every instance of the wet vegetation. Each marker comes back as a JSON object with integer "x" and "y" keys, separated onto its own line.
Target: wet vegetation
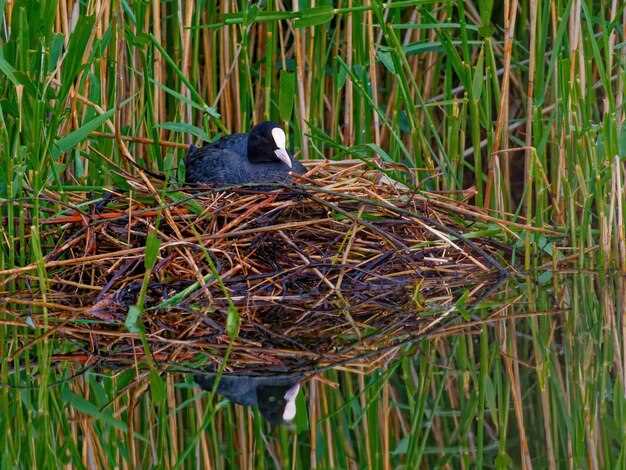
{"x": 515, "y": 107}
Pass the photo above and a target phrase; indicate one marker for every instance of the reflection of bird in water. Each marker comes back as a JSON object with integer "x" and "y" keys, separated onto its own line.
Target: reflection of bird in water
{"x": 260, "y": 156}
{"x": 274, "y": 395}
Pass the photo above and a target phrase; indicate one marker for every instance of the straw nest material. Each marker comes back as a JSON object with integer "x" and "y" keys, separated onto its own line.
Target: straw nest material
{"x": 342, "y": 265}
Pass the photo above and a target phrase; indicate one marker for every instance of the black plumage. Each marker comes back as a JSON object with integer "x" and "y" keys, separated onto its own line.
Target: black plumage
{"x": 259, "y": 156}
{"x": 274, "y": 395}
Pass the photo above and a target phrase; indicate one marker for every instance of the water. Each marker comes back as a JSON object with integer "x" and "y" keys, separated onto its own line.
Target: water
{"x": 534, "y": 373}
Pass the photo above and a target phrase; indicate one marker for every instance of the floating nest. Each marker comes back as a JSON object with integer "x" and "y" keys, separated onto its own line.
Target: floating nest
{"x": 343, "y": 265}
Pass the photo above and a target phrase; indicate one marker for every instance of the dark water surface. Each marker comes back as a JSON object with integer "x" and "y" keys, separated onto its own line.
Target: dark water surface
{"x": 535, "y": 370}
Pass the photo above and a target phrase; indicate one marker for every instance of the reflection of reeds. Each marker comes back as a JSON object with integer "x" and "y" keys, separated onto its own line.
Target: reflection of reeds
{"x": 340, "y": 265}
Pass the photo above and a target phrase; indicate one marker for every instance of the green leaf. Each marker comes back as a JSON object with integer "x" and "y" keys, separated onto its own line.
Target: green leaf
{"x": 286, "y": 94}
{"x": 183, "y": 78}
{"x": 341, "y": 77}
{"x": 75, "y": 137}
{"x": 451, "y": 52}
{"x": 315, "y": 16}
{"x": 487, "y": 31}
{"x": 233, "y": 321}
{"x": 183, "y": 294}
{"x": 302, "y": 415}
{"x": 210, "y": 110}
{"x": 479, "y": 78}
{"x": 544, "y": 278}
{"x": 132, "y": 319}
{"x": 73, "y": 59}
{"x": 402, "y": 447}
{"x": 123, "y": 379}
{"x": 157, "y": 387}
{"x": 56, "y": 51}
{"x": 446, "y": 25}
{"x": 544, "y": 243}
{"x": 422, "y": 47}
{"x": 250, "y": 14}
{"x": 185, "y": 128}
{"x": 461, "y": 305}
{"x": 153, "y": 244}
{"x": 129, "y": 12}
{"x": 367, "y": 149}
{"x": 380, "y": 152}
{"x": 90, "y": 409}
{"x": 503, "y": 461}
{"x": 184, "y": 199}
{"x": 485, "y": 7}
{"x": 384, "y": 57}
{"x": 7, "y": 69}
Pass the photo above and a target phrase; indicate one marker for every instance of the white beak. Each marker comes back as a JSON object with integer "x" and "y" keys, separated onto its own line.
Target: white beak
{"x": 283, "y": 156}
{"x": 290, "y": 408}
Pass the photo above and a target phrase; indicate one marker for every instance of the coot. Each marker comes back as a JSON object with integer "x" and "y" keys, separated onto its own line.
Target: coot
{"x": 275, "y": 395}
{"x": 259, "y": 156}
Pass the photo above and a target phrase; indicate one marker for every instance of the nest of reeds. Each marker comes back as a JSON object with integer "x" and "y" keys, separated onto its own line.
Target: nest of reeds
{"x": 341, "y": 265}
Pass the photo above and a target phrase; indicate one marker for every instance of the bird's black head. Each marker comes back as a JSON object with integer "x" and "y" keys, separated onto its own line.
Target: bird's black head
{"x": 267, "y": 143}
{"x": 275, "y": 395}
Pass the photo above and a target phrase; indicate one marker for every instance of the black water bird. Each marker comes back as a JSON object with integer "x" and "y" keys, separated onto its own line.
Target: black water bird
{"x": 259, "y": 156}
{"x": 274, "y": 395}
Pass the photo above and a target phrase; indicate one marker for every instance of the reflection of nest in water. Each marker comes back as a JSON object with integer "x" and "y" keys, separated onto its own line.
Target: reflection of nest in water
{"x": 337, "y": 267}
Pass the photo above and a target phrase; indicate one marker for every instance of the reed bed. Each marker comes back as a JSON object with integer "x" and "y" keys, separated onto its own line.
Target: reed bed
{"x": 516, "y": 107}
